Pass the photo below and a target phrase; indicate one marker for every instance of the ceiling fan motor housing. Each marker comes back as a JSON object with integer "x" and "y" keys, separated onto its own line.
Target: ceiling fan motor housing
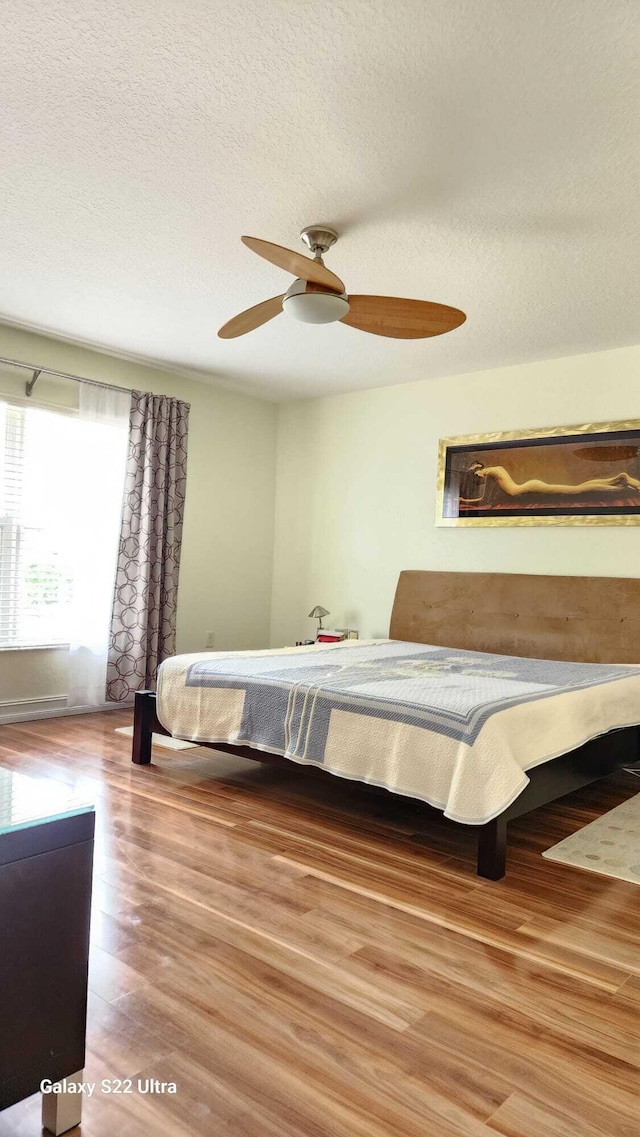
{"x": 314, "y": 304}
{"x": 319, "y": 238}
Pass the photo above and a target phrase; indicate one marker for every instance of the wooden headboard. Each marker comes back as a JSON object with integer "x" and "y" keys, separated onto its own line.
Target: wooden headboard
{"x": 589, "y": 619}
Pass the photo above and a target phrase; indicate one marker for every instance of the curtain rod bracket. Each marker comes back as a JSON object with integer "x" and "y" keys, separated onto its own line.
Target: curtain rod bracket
{"x": 32, "y": 382}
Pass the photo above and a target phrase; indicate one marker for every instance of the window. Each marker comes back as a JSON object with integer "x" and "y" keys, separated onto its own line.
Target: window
{"x": 37, "y": 466}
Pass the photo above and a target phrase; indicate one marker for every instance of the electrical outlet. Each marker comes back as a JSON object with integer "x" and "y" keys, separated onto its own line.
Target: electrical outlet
{"x": 211, "y": 640}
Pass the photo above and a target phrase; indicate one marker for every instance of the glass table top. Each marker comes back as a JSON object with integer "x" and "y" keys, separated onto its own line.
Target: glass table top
{"x": 26, "y": 801}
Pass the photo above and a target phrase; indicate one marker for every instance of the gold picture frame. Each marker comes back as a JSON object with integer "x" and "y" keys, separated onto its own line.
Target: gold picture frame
{"x": 568, "y": 475}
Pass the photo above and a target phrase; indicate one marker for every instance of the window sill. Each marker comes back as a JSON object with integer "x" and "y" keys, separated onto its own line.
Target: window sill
{"x": 34, "y": 647}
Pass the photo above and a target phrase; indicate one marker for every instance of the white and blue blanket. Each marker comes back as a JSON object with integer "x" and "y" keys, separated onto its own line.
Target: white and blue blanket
{"x": 457, "y": 729}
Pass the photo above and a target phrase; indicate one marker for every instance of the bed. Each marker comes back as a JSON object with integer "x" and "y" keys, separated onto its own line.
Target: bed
{"x": 495, "y": 694}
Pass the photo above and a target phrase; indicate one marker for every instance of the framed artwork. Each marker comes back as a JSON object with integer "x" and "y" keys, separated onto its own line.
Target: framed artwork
{"x": 570, "y": 475}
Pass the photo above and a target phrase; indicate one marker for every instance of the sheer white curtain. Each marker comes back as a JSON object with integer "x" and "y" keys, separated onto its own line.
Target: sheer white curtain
{"x": 101, "y": 461}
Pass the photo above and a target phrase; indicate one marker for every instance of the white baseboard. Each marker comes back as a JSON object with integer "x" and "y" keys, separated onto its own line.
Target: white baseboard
{"x": 51, "y": 706}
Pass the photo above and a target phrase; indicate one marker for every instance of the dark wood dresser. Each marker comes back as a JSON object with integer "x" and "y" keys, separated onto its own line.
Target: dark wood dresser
{"x": 46, "y": 855}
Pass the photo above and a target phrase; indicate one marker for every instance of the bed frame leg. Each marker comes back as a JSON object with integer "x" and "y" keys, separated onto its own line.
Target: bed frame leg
{"x": 492, "y": 849}
{"x": 144, "y": 715}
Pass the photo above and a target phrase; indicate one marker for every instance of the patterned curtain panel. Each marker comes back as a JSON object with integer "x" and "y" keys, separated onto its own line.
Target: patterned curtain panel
{"x": 143, "y": 624}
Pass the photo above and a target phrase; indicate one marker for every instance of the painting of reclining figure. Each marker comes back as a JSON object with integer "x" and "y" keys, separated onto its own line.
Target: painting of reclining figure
{"x": 562, "y": 476}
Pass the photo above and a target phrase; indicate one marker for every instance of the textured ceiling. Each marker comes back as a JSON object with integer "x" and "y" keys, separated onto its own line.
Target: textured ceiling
{"x": 481, "y": 153}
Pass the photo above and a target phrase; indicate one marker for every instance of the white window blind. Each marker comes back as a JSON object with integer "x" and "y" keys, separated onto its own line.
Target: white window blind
{"x": 36, "y": 481}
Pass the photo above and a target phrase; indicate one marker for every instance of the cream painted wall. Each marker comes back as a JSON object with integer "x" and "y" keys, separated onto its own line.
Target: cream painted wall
{"x": 355, "y": 487}
{"x": 226, "y": 567}
{"x": 354, "y": 494}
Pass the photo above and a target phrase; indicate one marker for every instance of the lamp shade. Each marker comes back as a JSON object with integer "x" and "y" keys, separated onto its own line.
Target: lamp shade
{"x": 318, "y": 612}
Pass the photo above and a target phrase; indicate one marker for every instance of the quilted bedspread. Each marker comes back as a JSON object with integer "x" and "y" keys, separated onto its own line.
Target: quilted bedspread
{"x": 456, "y": 729}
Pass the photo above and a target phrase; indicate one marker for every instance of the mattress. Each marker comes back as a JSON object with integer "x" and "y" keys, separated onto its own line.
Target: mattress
{"x": 456, "y": 729}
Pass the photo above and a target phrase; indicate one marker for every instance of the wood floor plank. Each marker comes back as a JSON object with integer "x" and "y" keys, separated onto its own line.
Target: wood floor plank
{"x": 109, "y": 977}
{"x": 622, "y": 948}
{"x": 630, "y": 992}
{"x": 373, "y": 885}
{"x": 308, "y": 959}
{"x": 588, "y": 1087}
{"x": 444, "y": 958}
{"x": 519, "y": 1116}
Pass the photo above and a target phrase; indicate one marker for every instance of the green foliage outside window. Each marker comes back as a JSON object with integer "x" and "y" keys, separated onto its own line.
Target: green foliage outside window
{"x": 47, "y": 583}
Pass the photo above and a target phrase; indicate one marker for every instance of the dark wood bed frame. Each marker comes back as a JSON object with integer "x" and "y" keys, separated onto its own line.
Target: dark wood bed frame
{"x": 586, "y": 619}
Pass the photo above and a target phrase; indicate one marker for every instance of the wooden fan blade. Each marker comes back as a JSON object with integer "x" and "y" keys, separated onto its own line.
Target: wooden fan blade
{"x": 251, "y": 318}
{"x": 401, "y": 319}
{"x": 296, "y": 263}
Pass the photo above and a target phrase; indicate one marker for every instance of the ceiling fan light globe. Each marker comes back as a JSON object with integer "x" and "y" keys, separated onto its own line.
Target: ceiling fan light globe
{"x": 315, "y": 307}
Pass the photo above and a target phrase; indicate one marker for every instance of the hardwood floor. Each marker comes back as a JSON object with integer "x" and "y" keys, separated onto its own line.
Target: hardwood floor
{"x": 307, "y": 959}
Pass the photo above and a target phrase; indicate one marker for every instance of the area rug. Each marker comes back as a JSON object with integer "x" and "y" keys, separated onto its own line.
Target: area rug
{"x": 610, "y": 845}
{"x": 159, "y": 739}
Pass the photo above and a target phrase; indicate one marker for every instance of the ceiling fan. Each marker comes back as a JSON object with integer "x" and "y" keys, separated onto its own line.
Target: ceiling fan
{"x": 318, "y": 296}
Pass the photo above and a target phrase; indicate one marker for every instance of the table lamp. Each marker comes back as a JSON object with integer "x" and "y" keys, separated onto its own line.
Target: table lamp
{"x": 317, "y": 613}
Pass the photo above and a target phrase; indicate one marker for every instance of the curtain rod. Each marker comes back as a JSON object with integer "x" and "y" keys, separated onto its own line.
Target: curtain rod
{"x": 38, "y": 371}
